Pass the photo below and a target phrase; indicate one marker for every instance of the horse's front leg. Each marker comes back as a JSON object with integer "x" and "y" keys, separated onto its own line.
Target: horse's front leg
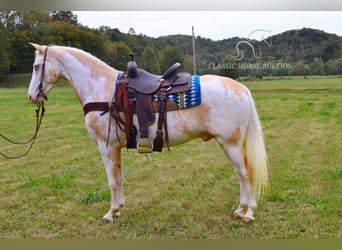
{"x": 111, "y": 156}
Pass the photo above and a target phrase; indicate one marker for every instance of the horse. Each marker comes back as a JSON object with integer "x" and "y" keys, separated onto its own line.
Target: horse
{"x": 227, "y": 114}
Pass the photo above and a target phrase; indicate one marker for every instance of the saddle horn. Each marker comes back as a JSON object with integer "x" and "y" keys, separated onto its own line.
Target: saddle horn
{"x": 132, "y": 66}
{"x": 131, "y": 55}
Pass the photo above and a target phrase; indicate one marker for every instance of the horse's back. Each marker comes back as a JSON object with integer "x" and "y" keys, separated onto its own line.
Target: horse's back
{"x": 224, "y": 91}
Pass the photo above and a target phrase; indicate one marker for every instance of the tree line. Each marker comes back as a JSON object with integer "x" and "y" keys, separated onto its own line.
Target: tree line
{"x": 297, "y": 52}
{"x": 18, "y": 28}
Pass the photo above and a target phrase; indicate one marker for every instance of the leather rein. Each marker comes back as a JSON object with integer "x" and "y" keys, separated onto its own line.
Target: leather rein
{"x": 40, "y": 110}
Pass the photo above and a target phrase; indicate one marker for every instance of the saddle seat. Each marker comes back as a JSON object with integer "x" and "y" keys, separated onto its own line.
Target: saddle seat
{"x": 147, "y": 83}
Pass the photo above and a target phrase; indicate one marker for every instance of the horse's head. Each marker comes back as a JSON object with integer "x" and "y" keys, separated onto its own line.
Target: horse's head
{"x": 44, "y": 75}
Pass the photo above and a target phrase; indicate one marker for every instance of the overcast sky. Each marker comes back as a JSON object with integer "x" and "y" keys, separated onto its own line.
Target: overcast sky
{"x": 216, "y": 25}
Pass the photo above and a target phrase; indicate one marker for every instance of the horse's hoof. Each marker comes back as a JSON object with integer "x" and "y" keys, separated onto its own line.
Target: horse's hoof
{"x": 237, "y": 215}
{"x": 117, "y": 214}
{"x": 108, "y": 217}
{"x": 247, "y": 219}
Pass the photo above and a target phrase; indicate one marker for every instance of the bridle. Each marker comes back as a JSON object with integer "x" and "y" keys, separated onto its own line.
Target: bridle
{"x": 40, "y": 86}
{"x": 40, "y": 110}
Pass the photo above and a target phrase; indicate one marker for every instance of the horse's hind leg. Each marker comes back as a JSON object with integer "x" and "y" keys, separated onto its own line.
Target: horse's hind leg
{"x": 111, "y": 157}
{"x": 248, "y": 203}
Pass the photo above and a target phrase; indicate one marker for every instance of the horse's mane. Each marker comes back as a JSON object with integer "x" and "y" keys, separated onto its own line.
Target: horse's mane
{"x": 88, "y": 57}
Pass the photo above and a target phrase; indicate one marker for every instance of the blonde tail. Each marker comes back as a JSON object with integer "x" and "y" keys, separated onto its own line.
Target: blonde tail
{"x": 256, "y": 152}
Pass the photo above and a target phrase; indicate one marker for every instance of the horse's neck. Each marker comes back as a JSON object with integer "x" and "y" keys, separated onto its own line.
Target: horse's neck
{"x": 91, "y": 79}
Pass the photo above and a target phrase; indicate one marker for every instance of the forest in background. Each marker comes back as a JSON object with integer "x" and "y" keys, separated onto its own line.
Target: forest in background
{"x": 296, "y": 52}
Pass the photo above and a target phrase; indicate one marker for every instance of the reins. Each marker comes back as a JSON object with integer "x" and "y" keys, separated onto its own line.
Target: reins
{"x": 40, "y": 110}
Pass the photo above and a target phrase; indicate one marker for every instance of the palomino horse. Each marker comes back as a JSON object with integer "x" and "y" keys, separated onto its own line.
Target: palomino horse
{"x": 227, "y": 113}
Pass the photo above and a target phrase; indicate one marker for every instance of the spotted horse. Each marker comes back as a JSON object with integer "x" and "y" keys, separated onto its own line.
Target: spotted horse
{"x": 226, "y": 113}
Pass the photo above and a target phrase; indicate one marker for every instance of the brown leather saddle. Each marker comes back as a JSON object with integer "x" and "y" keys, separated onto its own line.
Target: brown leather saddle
{"x": 134, "y": 96}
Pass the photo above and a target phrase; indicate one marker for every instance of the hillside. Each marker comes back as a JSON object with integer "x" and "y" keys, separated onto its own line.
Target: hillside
{"x": 306, "y": 44}
{"x": 305, "y": 51}
{"x": 295, "y": 52}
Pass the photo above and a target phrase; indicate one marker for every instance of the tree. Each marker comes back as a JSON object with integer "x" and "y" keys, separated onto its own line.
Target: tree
{"x": 20, "y": 52}
{"x": 149, "y": 61}
{"x": 113, "y": 35}
{"x": 298, "y": 68}
{"x": 317, "y": 67}
{"x": 120, "y": 55}
{"x": 169, "y": 56}
{"x": 131, "y": 31}
{"x": 330, "y": 68}
{"x": 228, "y": 67}
{"x": 23, "y": 20}
{"x": 338, "y": 66}
{"x": 307, "y": 70}
{"x": 64, "y": 16}
{"x": 4, "y": 17}
{"x": 4, "y": 65}
{"x": 109, "y": 52}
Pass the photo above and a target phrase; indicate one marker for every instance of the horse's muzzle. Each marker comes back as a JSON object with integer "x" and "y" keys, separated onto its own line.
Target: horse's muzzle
{"x": 39, "y": 98}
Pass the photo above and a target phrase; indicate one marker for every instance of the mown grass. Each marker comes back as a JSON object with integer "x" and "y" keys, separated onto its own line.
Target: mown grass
{"x": 60, "y": 190}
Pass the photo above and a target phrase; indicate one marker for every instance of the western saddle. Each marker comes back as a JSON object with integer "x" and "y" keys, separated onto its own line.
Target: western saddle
{"x": 133, "y": 95}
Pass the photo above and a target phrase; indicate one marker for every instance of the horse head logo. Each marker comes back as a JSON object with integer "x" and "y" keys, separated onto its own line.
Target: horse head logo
{"x": 240, "y": 55}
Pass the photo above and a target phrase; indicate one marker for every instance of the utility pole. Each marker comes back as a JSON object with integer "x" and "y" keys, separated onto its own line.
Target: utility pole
{"x": 193, "y": 50}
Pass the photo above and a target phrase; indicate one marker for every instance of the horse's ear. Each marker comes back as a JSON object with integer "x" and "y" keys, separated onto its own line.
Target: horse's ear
{"x": 38, "y": 47}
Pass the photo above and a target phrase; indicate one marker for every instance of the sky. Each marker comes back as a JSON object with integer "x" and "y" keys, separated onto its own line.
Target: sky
{"x": 215, "y": 25}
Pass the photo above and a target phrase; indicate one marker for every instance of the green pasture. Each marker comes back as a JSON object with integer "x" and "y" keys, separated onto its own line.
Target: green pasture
{"x": 295, "y": 83}
{"x": 60, "y": 189}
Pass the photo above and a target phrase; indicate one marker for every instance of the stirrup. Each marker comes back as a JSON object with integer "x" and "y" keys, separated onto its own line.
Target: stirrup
{"x": 144, "y": 150}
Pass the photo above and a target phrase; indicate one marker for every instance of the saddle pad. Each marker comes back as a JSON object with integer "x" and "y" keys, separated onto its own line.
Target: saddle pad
{"x": 187, "y": 99}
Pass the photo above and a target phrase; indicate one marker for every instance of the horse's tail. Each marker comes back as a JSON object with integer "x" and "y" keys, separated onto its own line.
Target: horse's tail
{"x": 256, "y": 151}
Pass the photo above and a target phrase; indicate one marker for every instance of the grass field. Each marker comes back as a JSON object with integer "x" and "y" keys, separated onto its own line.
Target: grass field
{"x": 60, "y": 189}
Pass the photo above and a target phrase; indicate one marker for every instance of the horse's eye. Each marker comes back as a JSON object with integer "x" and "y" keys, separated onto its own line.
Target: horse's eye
{"x": 36, "y": 67}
